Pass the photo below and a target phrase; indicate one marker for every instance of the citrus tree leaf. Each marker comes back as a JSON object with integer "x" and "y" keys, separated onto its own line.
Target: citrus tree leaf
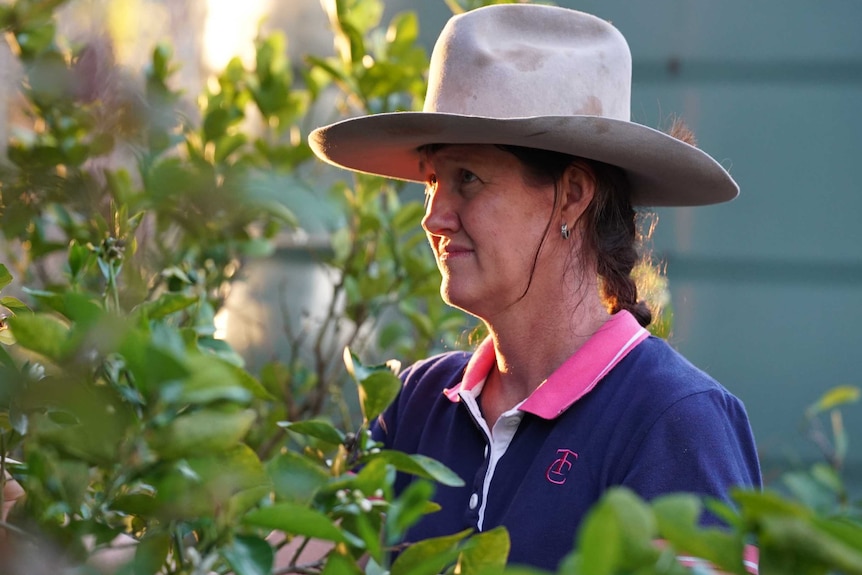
{"x": 316, "y": 428}
{"x": 431, "y": 556}
{"x": 249, "y": 555}
{"x": 296, "y": 478}
{"x": 200, "y": 432}
{"x": 378, "y": 384}
{"x": 296, "y": 520}
{"x": 486, "y": 553}
{"x": 5, "y": 276}
{"x": 41, "y": 333}
{"x": 14, "y": 305}
{"x": 421, "y": 466}
{"x": 151, "y": 553}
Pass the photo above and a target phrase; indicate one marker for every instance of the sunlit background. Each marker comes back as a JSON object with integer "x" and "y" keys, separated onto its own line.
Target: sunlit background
{"x": 230, "y": 28}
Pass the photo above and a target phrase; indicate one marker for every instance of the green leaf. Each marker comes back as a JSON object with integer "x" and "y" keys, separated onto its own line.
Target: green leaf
{"x": 6, "y": 337}
{"x": 755, "y": 504}
{"x": 378, "y": 385}
{"x": 209, "y": 380}
{"x": 73, "y": 305}
{"x": 826, "y": 475}
{"x": 161, "y": 59}
{"x": 359, "y": 372}
{"x": 85, "y": 312}
{"x": 228, "y": 144}
{"x": 5, "y": 276}
{"x": 201, "y": 432}
{"x": 407, "y": 509}
{"x": 14, "y": 305}
{"x": 325, "y": 66}
{"x": 677, "y": 516}
{"x": 338, "y": 564}
{"x": 812, "y": 491}
{"x": 85, "y": 421}
{"x": 41, "y": 333}
{"x": 221, "y": 486}
{"x": 295, "y": 520}
{"x": 166, "y": 304}
{"x": 802, "y": 542}
{"x": 153, "y": 366}
{"x": 840, "y": 395}
{"x": 5, "y": 359}
{"x": 421, "y": 466}
{"x": 600, "y": 542}
{"x": 78, "y": 257}
{"x": 374, "y": 476}
{"x": 35, "y": 40}
{"x": 404, "y": 29}
{"x": 218, "y": 120}
{"x": 151, "y": 553}
{"x": 365, "y": 526}
{"x": 295, "y": 477}
{"x": 429, "y": 557}
{"x": 486, "y": 553}
{"x": 244, "y": 378}
{"x": 249, "y": 555}
{"x": 316, "y": 428}
{"x": 135, "y": 504}
{"x": 617, "y": 534}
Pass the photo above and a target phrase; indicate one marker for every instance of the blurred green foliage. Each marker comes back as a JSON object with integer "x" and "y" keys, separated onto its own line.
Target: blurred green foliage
{"x": 128, "y": 210}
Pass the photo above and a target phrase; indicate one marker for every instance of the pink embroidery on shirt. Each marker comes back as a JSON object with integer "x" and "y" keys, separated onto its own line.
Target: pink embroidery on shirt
{"x": 558, "y": 471}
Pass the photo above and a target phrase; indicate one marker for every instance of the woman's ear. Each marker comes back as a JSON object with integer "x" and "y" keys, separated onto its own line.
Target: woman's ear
{"x": 578, "y": 190}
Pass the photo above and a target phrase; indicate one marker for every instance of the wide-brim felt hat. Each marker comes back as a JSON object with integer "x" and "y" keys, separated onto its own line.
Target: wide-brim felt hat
{"x": 535, "y": 76}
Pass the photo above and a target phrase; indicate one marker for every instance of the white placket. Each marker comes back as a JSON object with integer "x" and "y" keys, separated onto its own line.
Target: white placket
{"x": 498, "y": 440}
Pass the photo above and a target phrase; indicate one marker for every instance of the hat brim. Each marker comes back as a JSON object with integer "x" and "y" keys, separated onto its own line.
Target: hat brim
{"x": 662, "y": 170}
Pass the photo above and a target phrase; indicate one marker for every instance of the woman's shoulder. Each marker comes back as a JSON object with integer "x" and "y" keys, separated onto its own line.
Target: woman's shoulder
{"x": 660, "y": 371}
{"x": 442, "y": 370}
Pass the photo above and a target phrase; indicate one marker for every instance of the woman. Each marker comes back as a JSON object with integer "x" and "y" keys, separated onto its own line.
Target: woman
{"x": 532, "y": 169}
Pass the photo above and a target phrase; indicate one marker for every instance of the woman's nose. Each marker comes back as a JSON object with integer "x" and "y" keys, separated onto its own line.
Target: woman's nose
{"x": 441, "y": 215}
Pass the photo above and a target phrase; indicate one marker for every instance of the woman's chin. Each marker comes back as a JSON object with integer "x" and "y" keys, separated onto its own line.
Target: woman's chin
{"x": 462, "y": 300}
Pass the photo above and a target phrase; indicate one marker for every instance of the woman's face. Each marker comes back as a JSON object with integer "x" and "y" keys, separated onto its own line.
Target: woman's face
{"x": 485, "y": 224}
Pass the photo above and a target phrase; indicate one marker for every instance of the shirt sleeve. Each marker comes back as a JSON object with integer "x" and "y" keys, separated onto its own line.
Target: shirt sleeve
{"x": 700, "y": 444}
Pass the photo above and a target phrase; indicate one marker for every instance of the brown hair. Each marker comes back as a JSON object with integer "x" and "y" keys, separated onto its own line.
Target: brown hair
{"x": 611, "y": 226}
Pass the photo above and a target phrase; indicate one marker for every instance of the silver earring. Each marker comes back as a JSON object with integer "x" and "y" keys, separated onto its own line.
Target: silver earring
{"x": 565, "y": 232}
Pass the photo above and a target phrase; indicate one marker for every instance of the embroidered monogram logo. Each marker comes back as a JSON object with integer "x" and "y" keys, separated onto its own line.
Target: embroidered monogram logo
{"x": 558, "y": 471}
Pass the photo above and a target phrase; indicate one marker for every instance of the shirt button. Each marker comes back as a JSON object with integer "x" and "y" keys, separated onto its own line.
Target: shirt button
{"x": 513, "y": 422}
{"x": 474, "y": 501}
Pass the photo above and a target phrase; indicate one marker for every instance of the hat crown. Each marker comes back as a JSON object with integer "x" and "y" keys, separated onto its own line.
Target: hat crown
{"x": 519, "y": 60}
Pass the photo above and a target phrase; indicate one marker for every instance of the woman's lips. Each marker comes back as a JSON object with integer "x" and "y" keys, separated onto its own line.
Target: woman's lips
{"x": 454, "y": 252}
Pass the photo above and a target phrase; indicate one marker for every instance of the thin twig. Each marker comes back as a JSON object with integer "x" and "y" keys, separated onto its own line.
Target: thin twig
{"x": 299, "y": 551}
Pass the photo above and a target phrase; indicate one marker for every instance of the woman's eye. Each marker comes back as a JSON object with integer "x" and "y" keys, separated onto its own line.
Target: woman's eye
{"x": 468, "y": 177}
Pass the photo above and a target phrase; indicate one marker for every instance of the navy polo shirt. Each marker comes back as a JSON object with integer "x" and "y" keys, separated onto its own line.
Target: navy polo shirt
{"x": 625, "y": 409}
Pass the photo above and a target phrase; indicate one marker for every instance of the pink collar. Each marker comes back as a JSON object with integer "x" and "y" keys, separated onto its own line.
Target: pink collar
{"x": 575, "y": 378}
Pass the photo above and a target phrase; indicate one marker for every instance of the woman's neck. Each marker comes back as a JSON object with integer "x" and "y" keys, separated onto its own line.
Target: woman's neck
{"x": 530, "y": 344}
